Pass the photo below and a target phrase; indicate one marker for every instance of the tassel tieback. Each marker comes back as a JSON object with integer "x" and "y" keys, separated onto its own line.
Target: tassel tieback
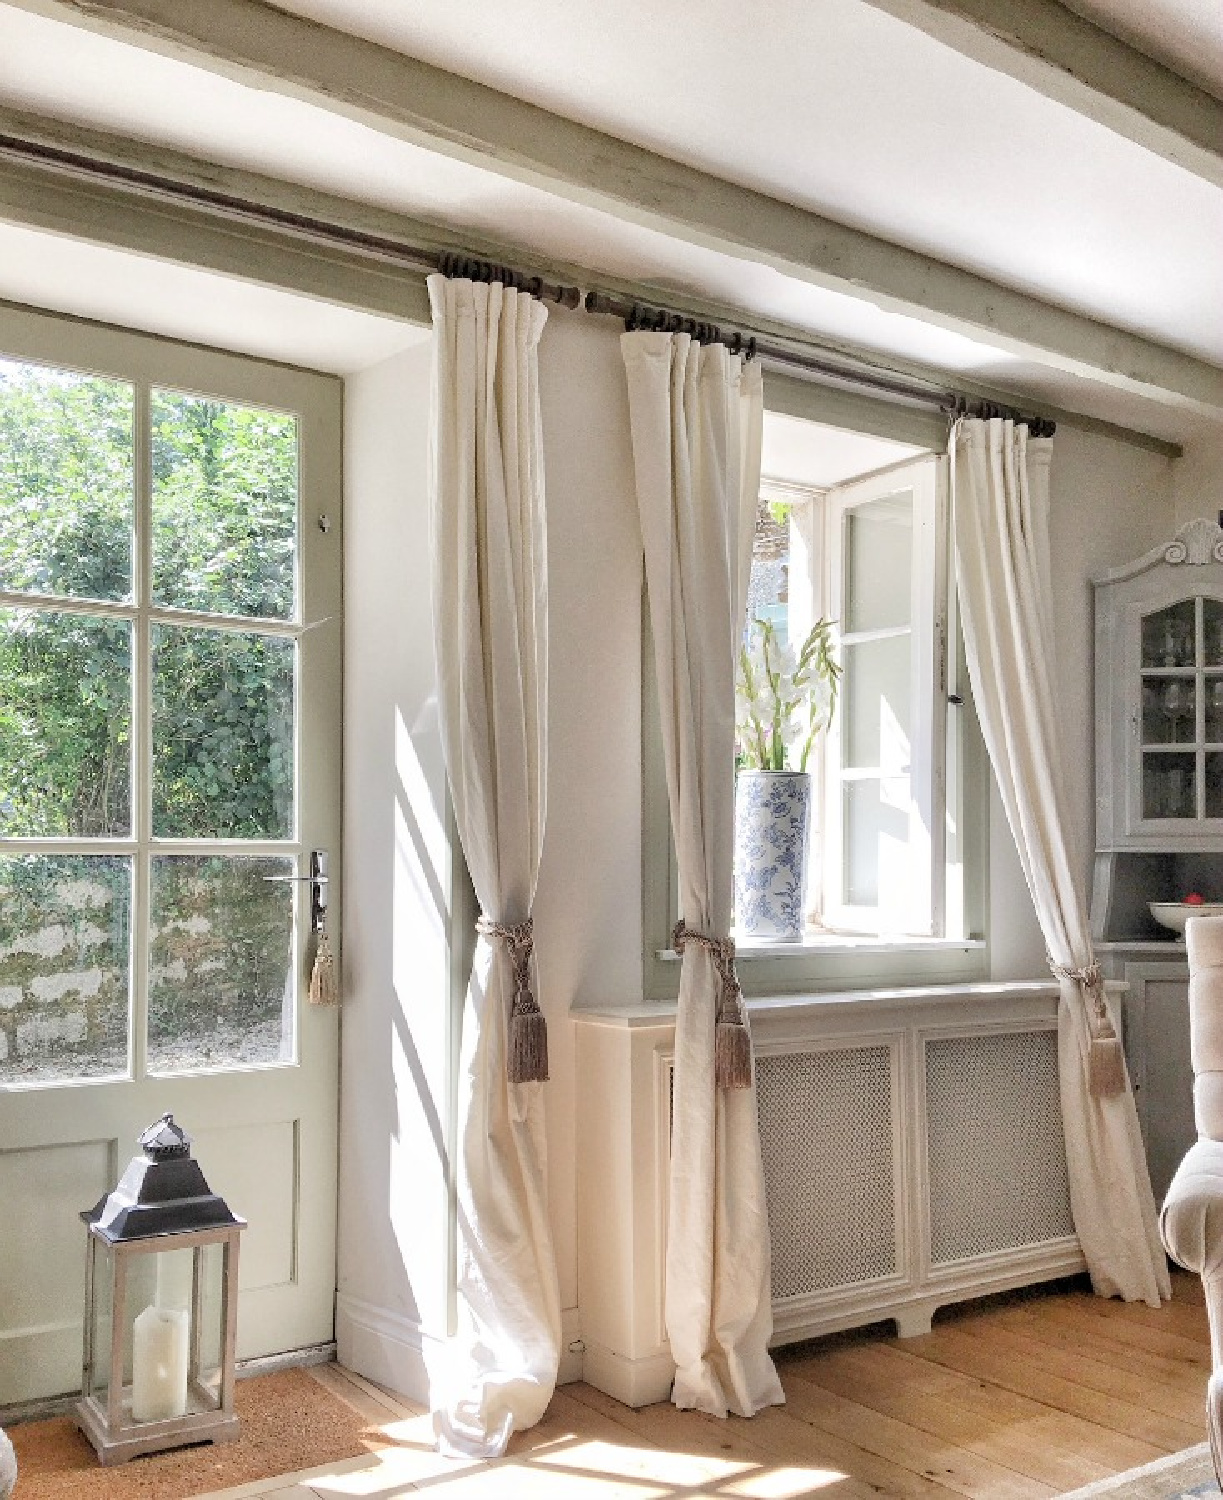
{"x": 324, "y": 980}
{"x": 527, "y": 1060}
{"x": 1105, "y": 1058}
{"x": 732, "y": 1055}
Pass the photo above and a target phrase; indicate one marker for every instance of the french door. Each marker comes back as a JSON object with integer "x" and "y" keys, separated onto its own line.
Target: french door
{"x": 170, "y": 642}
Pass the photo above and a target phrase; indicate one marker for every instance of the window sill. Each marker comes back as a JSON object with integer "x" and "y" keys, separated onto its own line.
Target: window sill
{"x": 927, "y": 1001}
{"x": 934, "y": 1002}
{"x": 828, "y": 944}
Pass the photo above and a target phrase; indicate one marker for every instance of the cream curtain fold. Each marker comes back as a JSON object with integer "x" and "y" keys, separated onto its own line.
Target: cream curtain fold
{"x": 697, "y": 415}
{"x": 490, "y": 615}
{"x": 1000, "y": 478}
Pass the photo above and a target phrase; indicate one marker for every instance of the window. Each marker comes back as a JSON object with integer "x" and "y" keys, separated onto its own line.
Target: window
{"x": 869, "y": 549}
{"x": 154, "y": 662}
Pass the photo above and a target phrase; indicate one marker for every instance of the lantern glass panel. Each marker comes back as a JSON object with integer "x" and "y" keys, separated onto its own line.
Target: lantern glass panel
{"x": 211, "y": 1326}
{"x": 103, "y": 1305}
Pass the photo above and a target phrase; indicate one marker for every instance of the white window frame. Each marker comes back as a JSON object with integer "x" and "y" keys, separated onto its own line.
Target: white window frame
{"x": 925, "y": 867}
{"x": 954, "y": 947}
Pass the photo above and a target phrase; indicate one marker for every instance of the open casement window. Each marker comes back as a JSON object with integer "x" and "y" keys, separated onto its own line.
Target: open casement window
{"x": 900, "y": 807}
{"x": 885, "y": 758}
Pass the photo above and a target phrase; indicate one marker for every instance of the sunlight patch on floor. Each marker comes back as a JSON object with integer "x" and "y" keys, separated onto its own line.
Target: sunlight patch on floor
{"x": 783, "y": 1484}
{"x": 660, "y": 1465}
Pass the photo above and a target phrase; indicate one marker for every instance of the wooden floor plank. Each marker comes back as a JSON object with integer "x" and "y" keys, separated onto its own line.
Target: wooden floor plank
{"x": 1023, "y": 1397}
{"x": 975, "y": 1356}
{"x": 1178, "y": 1373}
{"x": 1007, "y": 1428}
{"x": 1179, "y": 1400}
{"x": 908, "y": 1446}
{"x": 778, "y": 1436}
{"x": 1150, "y": 1331}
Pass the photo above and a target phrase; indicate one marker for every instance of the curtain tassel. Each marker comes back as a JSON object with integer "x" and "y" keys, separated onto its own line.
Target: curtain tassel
{"x": 1106, "y": 1074}
{"x": 732, "y": 1045}
{"x": 527, "y": 1059}
{"x": 324, "y": 980}
{"x": 732, "y": 1054}
{"x": 1105, "y": 1064}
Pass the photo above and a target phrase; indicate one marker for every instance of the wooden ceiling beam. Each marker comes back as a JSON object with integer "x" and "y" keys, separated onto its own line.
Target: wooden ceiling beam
{"x": 270, "y": 49}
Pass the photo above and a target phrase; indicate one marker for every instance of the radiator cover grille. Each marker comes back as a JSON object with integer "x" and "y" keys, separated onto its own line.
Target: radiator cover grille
{"x": 827, "y": 1137}
{"x": 997, "y": 1158}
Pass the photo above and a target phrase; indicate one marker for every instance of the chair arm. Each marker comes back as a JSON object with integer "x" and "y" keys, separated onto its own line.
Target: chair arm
{"x": 1191, "y": 1221}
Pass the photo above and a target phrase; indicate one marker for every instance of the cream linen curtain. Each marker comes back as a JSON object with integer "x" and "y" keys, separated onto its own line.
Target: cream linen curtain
{"x": 490, "y": 616}
{"x": 697, "y": 416}
{"x": 1000, "y": 478}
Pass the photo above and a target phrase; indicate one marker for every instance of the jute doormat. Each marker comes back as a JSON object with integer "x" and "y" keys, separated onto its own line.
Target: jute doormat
{"x": 1186, "y": 1474}
{"x": 289, "y": 1422}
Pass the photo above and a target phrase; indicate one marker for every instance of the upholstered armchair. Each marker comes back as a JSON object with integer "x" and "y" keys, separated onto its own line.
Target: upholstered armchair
{"x": 1192, "y": 1219}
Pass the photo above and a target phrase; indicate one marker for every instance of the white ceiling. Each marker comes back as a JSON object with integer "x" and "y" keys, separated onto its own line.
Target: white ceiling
{"x": 843, "y": 109}
{"x": 809, "y": 453}
{"x": 839, "y": 108}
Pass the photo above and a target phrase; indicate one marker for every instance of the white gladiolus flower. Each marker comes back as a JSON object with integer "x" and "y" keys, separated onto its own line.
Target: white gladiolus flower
{"x": 783, "y": 699}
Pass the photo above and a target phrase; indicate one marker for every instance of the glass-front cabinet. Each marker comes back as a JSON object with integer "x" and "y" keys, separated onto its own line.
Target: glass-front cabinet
{"x": 1159, "y": 700}
{"x": 1159, "y": 808}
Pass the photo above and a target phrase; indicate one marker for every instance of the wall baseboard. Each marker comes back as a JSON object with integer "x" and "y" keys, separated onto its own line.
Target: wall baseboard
{"x": 263, "y": 1364}
{"x": 634, "y": 1382}
{"x": 383, "y": 1346}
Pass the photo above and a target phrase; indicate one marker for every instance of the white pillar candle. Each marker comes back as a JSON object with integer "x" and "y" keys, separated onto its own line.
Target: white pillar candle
{"x": 159, "y": 1364}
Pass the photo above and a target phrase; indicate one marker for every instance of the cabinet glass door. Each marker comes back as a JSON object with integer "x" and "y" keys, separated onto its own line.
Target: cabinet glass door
{"x": 1182, "y": 711}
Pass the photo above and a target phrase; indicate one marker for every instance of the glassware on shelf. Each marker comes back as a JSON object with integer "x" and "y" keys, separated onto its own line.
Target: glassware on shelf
{"x": 1214, "y": 783}
{"x": 1169, "y": 786}
{"x": 1214, "y": 710}
{"x": 1212, "y": 632}
{"x": 1169, "y": 637}
{"x": 1177, "y": 704}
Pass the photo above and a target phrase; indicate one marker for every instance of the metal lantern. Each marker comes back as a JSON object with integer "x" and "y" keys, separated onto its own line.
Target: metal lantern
{"x": 161, "y": 1306}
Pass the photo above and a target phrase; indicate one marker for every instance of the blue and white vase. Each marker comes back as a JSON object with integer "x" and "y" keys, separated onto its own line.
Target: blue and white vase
{"x": 771, "y": 809}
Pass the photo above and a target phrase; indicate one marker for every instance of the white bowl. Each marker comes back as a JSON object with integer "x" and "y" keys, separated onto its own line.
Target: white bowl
{"x": 1174, "y": 914}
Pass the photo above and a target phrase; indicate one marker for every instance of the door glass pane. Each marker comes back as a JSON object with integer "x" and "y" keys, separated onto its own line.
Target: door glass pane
{"x": 1212, "y": 688}
{"x": 879, "y": 562}
{"x": 224, "y": 507}
{"x": 1169, "y": 710}
{"x": 66, "y": 482}
{"x": 1169, "y": 787}
{"x": 875, "y": 703}
{"x": 65, "y": 725}
{"x": 1212, "y": 632}
{"x": 223, "y": 719}
{"x": 876, "y": 812}
{"x": 1214, "y": 784}
{"x": 64, "y": 965}
{"x": 221, "y": 973}
{"x": 1168, "y": 636}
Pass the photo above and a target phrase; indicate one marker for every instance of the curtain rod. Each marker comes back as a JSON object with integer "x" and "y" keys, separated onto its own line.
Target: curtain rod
{"x": 459, "y": 264}
{"x": 756, "y": 346}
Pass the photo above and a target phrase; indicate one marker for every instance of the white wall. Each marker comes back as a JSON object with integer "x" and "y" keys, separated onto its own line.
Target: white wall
{"x": 1110, "y": 503}
{"x": 392, "y": 1250}
{"x": 1197, "y": 478}
{"x": 588, "y": 909}
{"x": 588, "y": 906}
